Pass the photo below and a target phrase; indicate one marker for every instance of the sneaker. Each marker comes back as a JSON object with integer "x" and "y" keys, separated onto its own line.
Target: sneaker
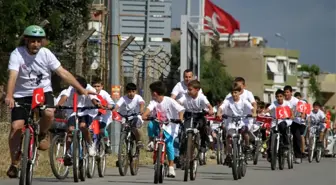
{"x": 140, "y": 144}
{"x": 44, "y": 141}
{"x": 213, "y": 155}
{"x": 92, "y": 149}
{"x": 108, "y": 149}
{"x": 12, "y": 172}
{"x": 297, "y": 161}
{"x": 171, "y": 172}
{"x": 67, "y": 160}
{"x": 150, "y": 146}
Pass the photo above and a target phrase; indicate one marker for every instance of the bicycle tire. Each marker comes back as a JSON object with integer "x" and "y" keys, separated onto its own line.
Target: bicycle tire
{"x": 55, "y": 142}
{"x": 75, "y": 156}
{"x": 219, "y": 149}
{"x": 134, "y": 157}
{"x": 273, "y": 151}
{"x": 123, "y": 168}
{"x": 188, "y": 157}
{"x": 158, "y": 176}
{"x": 24, "y": 159}
{"x": 83, "y": 165}
{"x": 193, "y": 161}
{"x": 235, "y": 158}
{"x": 257, "y": 150}
{"x": 101, "y": 159}
{"x": 281, "y": 159}
{"x": 311, "y": 150}
{"x": 318, "y": 154}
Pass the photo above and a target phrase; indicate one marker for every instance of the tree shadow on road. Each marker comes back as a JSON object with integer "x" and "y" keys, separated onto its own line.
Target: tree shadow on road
{"x": 131, "y": 182}
{"x": 213, "y": 173}
{"x": 226, "y": 178}
{"x": 53, "y": 180}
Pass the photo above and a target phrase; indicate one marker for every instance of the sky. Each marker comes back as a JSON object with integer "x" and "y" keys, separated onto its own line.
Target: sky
{"x": 308, "y": 25}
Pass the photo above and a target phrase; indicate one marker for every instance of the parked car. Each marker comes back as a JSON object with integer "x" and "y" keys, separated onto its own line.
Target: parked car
{"x": 331, "y": 148}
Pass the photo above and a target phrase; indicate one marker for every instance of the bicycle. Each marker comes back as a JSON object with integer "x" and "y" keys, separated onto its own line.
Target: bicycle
{"x": 236, "y": 141}
{"x": 277, "y": 147}
{"x": 192, "y": 145}
{"x": 315, "y": 146}
{"x": 79, "y": 148}
{"x": 31, "y": 131}
{"x": 220, "y": 138}
{"x": 127, "y": 139}
{"x": 159, "y": 153}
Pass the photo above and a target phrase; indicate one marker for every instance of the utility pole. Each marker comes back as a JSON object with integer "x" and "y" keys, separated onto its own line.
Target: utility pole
{"x": 79, "y": 50}
{"x": 136, "y": 63}
{"x": 114, "y": 69}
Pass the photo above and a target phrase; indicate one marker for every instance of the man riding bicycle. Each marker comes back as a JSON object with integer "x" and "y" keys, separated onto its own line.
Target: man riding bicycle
{"x": 30, "y": 66}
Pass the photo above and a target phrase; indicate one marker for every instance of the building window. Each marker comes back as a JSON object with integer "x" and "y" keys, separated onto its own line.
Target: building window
{"x": 281, "y": 66}
{"x": 292, "y": 68}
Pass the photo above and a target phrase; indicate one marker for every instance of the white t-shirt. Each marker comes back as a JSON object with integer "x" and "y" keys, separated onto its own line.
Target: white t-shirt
{"x": 130, "y": 106}
{"x": 60, "y": 96}
{"x": 106, "y": 96}
{"x": 240, "y": 108}
{"x": 168, "y": 109}
{"x": 194, "y": 105}
{"x": 180, "y": 89}
{"x": 317, "y": 117}
{"x": 272, "y": 109}
{"x": 82, "y": 101}
{"x": 246, "y": 95}
{"x": 34, "y": 70}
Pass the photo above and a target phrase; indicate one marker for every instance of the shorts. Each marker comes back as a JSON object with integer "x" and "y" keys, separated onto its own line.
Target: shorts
{"x": 86, "y": 118}
{"x": 20, "y": 113}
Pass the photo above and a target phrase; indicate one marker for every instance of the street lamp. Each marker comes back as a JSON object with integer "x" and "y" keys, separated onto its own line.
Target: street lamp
{"x": 279, "y": 35}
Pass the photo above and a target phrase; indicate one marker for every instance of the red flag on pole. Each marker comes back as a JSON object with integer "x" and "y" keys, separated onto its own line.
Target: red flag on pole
{"x": 222, "y": 21}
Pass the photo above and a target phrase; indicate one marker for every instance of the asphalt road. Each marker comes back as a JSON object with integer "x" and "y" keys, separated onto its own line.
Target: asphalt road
{"x": 261, "y": 174}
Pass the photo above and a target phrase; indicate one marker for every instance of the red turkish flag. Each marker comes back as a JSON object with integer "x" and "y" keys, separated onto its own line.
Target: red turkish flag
{"x": 222, "y": 21}
{"x": 283, "y": 112}
{"x": 38, "y": 98}
{"x": 103, "y": 102}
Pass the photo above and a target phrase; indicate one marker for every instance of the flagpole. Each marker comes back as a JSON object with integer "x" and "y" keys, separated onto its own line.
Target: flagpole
{"x": 188, "y": 7}
{"x": 201, "y": 14}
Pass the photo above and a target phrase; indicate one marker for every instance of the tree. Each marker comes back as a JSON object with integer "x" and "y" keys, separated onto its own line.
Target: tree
{"x": 216, "y": 82}
{"x": 314, "y": 87}
{"x": 68, "y": 19}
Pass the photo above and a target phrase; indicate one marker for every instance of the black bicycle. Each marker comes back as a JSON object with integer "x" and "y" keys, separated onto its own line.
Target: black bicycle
{"x": 129, "y": 151}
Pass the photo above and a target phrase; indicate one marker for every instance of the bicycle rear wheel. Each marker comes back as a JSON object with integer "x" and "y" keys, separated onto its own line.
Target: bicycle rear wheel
{"x": 83, "y": 165}
{"x": 188, "y": 156}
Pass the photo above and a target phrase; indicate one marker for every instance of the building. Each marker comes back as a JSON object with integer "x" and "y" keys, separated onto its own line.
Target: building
{"x": 149, "y": 21}
{"x": 328, "y": 88}
{"x": 264, "y": 69}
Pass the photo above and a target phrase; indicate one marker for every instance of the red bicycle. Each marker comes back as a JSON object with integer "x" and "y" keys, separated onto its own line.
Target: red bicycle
{"x": 30, "y": 132}
{"x": 159, "y": 153}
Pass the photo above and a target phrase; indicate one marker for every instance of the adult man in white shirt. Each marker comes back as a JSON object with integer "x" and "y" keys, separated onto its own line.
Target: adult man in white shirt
{"x": 29, "y": 68}
{"x": 182, "y": 87}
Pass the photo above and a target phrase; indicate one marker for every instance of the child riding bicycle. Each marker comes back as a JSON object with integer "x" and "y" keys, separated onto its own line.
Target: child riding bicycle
{"x": 168, "y": 109}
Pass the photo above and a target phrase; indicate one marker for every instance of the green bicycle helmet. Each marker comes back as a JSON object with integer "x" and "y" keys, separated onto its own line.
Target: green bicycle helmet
{"x": 34, "y": 31}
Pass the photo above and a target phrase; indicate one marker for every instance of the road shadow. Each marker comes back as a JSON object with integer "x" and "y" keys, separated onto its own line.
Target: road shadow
{"x": 131, "y": 182}
{"x": 53, "y": 180}
{"x": 213, "y": 173}
{"x": 226, "y": 178}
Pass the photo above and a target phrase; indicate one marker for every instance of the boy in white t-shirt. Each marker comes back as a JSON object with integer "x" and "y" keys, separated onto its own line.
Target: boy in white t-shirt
{"x": 194, "y": 103}
{"x": 236, "y": 106}
{"x": 85, "y": 117}
{"x": 167, "y": 108}
{"x": 104, "y": 119}
{"x": 132, "y": 103}
{"x": 317, "y": 116}
{"x": 282, "y": 123}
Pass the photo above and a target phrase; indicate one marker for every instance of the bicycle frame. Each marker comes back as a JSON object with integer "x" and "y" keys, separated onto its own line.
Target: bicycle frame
{"x": 159, "y": 140}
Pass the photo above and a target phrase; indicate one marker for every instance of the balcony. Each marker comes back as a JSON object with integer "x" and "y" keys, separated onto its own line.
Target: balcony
{"x": 98, "y": 5}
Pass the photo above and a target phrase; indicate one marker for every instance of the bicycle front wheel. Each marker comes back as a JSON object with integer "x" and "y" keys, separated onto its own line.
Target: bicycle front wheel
{"x": 56, "y": 153}
{"x": 24, "y": 160}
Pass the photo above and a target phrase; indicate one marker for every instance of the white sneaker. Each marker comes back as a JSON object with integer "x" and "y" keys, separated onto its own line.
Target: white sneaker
{"x": 92, "y": 149}
{"x": 171, "y": 172}
{"x": 150, "y": 146}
